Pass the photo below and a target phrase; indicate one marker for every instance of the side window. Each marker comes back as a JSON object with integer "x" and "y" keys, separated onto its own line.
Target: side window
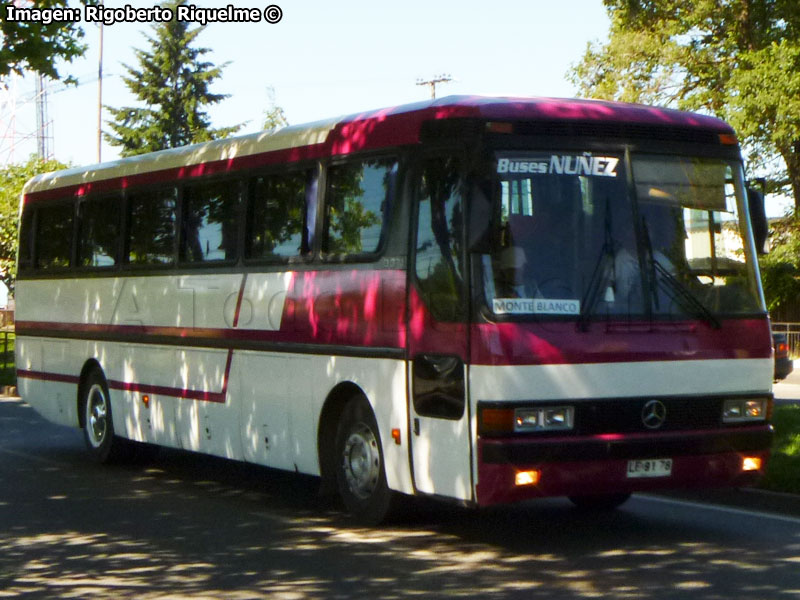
{"x": 276, "y": 222}
{"x": 210, "y": 222}
{"x": 439, "y": 254}
{"x": 358, "y": 202}
{"x": 54, "y": 236}
{"x": 151, "y": 235}
{"x": 26, "y": 239}
{"x": 99, "y": 231}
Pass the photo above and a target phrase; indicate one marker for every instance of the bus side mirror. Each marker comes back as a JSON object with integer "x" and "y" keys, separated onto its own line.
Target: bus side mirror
{"x": 758, "y": 219}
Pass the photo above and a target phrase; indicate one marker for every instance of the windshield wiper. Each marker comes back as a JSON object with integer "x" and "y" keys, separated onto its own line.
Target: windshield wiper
{"x": 598, "y": 277}
{"x": 677, "y": 291}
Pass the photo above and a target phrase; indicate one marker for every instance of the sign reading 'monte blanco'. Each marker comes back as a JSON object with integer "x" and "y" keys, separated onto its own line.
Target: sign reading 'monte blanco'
{"x": 536, "y": 306}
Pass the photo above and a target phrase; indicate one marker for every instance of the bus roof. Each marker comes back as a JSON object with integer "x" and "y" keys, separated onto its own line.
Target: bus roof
{"x": 374, "y": 129}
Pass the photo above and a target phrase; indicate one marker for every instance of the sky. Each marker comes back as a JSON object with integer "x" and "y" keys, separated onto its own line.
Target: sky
{"x": 324, "y": 59}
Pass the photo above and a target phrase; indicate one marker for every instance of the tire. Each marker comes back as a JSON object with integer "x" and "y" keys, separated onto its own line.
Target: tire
{"x": 360, "y": 470}
{"x": 98, "y": 426}
{"x": 600, "y": 502}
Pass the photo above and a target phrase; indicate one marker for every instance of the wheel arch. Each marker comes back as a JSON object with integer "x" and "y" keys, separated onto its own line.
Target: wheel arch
{"x": 89, "y": 366}
{"x": 329, "y": 417}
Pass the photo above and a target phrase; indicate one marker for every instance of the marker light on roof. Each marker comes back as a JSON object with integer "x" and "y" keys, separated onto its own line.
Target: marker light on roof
{"x": 499, "y": 127}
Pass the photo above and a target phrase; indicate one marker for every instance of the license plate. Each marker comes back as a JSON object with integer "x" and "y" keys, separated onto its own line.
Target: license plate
{"x": 657, "y": 467}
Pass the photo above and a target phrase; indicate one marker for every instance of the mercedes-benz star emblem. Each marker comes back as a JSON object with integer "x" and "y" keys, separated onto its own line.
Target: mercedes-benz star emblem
{"x": 654, "y": 414}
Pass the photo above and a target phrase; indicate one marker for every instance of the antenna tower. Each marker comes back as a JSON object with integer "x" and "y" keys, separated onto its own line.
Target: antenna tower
{"x": 10, "y": 139}
{"x": 44, "y": 139}
{"x": 8, "y": 118}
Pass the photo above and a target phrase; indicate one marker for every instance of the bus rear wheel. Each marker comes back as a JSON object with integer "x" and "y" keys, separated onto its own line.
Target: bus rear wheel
{"x": 360, "y": 470}
{"x": 98, "y": 426}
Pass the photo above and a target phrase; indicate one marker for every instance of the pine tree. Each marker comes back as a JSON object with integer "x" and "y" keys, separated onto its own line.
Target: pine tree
{"x": 173, "y": 83}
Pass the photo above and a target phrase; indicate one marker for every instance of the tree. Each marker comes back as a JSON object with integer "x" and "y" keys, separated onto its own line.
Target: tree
{"x": 765, "y": 110}
{"x": 12, "y": 180}
{"x": 173, "y": 83}
{"x": 780, "y": 269}
{"x": 274, "y": 116}
{"x": 737, "y": 59}
{"x": 36, "y": 46}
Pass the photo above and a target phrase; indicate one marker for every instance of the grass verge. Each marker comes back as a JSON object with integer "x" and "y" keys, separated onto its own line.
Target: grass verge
{"x": 783, "y": 470}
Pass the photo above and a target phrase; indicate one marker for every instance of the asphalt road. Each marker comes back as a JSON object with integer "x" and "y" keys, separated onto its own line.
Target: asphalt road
{"x": 189, "y": 526}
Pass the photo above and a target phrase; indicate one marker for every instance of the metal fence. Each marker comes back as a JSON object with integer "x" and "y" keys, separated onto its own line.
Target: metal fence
{"x": 792, "y": 331}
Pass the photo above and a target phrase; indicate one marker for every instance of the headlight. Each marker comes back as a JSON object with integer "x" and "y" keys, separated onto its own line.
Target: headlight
{"x": 548, "y": 418}
{"x": 744, "y": 410}
{"x": 508, "y": 420}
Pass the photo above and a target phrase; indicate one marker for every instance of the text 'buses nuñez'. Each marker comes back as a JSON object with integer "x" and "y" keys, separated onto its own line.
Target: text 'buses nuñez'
{"x": 479, "y": 299}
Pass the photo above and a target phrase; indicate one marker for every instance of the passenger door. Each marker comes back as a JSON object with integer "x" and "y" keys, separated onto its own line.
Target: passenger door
{"x": 437, "y": 330}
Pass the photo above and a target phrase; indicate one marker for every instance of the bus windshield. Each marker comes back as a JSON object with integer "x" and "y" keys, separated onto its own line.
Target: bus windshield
{"x": 573, "y": 235}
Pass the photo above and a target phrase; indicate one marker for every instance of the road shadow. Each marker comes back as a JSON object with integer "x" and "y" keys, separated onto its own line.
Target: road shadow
{"x": 183, "y": 525}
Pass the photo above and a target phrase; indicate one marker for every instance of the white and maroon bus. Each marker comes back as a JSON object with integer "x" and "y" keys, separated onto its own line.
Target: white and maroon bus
{"x": 481, "y": 299}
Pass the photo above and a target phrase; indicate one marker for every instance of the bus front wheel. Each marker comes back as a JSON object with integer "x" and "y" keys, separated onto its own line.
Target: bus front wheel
{"x": 360, "y": 471}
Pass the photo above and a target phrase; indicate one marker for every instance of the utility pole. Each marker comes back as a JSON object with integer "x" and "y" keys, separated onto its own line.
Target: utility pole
{"x": 444, "y": 78}
{"x": 100, "y": 99}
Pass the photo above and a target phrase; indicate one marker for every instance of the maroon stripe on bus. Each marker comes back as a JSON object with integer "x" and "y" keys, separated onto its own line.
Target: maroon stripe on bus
{"x": 326, "y": 333}
{"x": 229, "y": 360}
{"x": 389, "y": 127}
{"x": 126, "y": 330}
{"x": 239, "y": 301}
{"x": 127, "y": 386}
{"x": 562, "y": 343}
{"x": 494, "y": 344}
{"x": 45, "y": 376}
{"x": 174, "y": 392}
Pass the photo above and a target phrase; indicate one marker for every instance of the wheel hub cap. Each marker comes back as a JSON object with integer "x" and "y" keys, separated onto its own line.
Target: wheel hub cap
{"x": 96, "y": 415}
{"x": 362, "y": 461}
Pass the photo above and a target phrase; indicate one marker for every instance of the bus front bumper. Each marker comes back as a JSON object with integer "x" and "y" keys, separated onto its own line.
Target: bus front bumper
{"x": 606, "y": 464}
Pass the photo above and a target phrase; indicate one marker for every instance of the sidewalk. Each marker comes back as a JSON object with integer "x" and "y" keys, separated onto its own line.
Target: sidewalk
{"x": 787, "y": 391}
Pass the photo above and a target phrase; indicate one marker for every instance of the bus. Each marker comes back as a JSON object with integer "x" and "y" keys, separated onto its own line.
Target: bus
{"x": 479, "y": 299}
